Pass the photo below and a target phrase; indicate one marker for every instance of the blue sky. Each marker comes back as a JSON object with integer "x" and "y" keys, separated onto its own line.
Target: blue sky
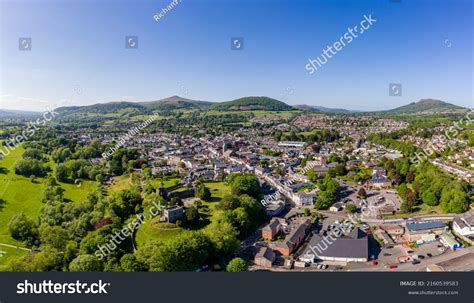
{"x": 78, "y": 53}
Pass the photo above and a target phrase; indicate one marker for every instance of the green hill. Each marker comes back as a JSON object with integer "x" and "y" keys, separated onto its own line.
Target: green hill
{"x": 176, "y": 102}
{"x": 253, "y": 103}
{"x": 114, "y": 108}
{"x": 427, "y": 106}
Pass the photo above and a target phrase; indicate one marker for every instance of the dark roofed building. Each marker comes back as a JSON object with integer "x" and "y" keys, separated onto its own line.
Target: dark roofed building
{"x": 353, "y": 247}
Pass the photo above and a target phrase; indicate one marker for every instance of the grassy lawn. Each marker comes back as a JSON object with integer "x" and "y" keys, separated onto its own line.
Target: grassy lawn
{"x": 120, "y": 183}
{"x": 21, "y": 195}
{"x": 218, "y": 190}
{"x": 151, "y": 230}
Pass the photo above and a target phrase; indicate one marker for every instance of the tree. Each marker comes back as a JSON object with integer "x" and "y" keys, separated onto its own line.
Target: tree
{"x": 244, "y": 184}
{"x": 429, "y": 198}
{"x": 351, "y": 208}
{"x": 187, "y": 252}
{"x": 28, "y": 167}
{"x": 33, "y": 153}
{"x": 325, "y": 200}
{"x": 62, "y": 173}
{"x": 410, "y": 177}
{"x": 237, "y": 265}
{"x": 129, "y": 263}
{"x": 127, "y": 202}
{"x": 23, "y": 229}
{"x": 229, "y": 202}
{"x": 362, "y": 193}
{"x": 192, "y": 215}
{"x": 56, "y": 236}
{"x": 307, "y": 212}
{"x": 86, "y": 263}
{"x": 224, "y": 238}
{"x": 48, "y": 259}
{"x": 203, "y": 192}
{"x": 406, "y": 207}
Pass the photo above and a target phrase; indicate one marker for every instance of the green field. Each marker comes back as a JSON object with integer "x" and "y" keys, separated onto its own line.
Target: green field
{"x": 21, "y": 195}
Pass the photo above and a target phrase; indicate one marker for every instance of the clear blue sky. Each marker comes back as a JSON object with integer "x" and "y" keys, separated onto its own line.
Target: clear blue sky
{"x": 78, "y": 51}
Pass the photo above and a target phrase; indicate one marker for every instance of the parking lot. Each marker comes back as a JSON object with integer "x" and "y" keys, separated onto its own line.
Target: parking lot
{"x": 403, "y": 254}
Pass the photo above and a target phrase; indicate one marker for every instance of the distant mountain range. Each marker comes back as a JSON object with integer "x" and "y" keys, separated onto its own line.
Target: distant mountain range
{"x": 123, "y": 108}
{"x": 6, "y": 113}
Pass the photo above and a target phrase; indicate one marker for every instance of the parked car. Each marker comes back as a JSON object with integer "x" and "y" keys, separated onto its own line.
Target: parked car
{"x": 415, "y": 262}
{"x": 429, "y": 255}
{"x": 387, "y": 254}
{"x": 393, "y": 266}
{"x": 374, "y": 263}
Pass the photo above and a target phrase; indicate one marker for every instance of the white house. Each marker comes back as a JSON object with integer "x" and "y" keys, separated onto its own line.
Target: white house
{"x": 302, "y": 199}
{"x": 464, "y": 224}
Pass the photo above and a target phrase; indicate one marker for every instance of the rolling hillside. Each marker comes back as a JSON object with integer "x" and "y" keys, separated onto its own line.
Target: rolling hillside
{"x": 116, "y": 108}
{"x": 176, "y": 102}
{"x": 253, "y": 103}
{"x": 427, "y": 106}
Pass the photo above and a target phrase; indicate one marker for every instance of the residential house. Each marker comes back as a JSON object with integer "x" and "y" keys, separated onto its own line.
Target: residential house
{"x": 464, "y": 224}
{"x": 293, "y": 239}
{"x": 265, "y": 257}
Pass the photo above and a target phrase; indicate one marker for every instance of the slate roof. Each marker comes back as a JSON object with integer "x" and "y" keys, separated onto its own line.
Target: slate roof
{"x": 355, "y": 245}
{"x": 425, "y": 225}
